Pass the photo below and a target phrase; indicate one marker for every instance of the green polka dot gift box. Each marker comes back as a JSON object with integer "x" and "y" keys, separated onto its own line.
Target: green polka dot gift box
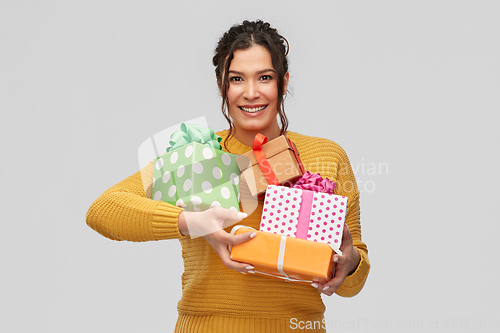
{"x": 195, "y": 173}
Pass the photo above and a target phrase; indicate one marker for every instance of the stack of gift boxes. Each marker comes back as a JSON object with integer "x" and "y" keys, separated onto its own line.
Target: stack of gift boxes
{"x": 302, "y": 222}
{"x": 302, "y": 219}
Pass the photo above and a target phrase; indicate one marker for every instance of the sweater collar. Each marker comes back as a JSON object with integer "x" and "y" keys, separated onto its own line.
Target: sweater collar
{"x": 233, "y": 145}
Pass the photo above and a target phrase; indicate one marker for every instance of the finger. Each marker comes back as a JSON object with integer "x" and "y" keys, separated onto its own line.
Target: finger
{"x": 339, "y": 259}
{"x": 346, "y": 238}
{"x": 227, "y": 238}
{"x": 323, "y": 288}
{"x": 331, "y": 286}
{"x": 335, "y": 282}
{"x": 340, "y": 274}
{"x": 317, "y": 285}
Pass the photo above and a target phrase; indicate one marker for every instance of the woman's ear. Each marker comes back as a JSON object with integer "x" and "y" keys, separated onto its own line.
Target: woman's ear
{"x": 219, "y": 84}
{"x": 285, "y": 85}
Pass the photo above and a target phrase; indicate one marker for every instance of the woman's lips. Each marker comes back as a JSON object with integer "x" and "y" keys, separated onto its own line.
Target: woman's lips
{"x": 252, "y": 109}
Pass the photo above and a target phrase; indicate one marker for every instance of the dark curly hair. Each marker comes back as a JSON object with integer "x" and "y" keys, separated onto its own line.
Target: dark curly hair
{"x": 241, "y": 37}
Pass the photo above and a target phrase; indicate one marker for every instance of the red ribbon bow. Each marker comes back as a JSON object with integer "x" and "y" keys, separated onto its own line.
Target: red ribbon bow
{"x": 262, "y": 160}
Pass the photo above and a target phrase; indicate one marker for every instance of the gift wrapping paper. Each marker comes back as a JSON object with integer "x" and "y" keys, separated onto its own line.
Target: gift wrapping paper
{"x": 197, "y": 177}
{"x": 304, "y": 214}
{"x": 287, "y": 258}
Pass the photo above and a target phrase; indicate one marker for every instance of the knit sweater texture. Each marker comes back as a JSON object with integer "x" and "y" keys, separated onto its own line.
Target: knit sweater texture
{"x": 214, "y": 297}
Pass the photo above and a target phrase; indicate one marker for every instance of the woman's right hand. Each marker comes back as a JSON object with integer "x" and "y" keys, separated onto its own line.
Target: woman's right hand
{"x": 209, "y": 224}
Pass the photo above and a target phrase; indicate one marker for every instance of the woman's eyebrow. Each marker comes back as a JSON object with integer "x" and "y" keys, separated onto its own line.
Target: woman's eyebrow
{"x": 259, "y": 72}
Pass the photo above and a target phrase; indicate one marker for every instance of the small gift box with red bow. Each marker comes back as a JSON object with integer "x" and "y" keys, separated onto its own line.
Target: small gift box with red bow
{"x": 309, "y": 210}
{"x": 269, "y": 163}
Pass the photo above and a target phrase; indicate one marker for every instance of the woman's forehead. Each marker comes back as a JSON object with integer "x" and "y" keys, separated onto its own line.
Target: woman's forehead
{"x": 254, "y": 59}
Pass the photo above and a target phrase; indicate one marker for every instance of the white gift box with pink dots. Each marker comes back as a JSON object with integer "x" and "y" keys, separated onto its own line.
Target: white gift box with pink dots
{"x": 304, "y": 214}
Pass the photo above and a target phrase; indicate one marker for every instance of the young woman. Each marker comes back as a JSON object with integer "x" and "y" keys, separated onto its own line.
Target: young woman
{"x": 252, "y": 75}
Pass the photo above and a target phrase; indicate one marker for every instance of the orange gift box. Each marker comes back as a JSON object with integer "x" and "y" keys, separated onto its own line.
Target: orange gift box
{"x": 288, "y": 258}
{"x": 281, "y": 160}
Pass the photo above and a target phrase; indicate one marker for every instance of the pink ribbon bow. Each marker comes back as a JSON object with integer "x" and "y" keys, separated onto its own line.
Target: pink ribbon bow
{"x": 316, "y": 183}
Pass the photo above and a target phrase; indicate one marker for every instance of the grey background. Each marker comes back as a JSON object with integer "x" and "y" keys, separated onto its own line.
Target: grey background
{"x": 410, "y": 89}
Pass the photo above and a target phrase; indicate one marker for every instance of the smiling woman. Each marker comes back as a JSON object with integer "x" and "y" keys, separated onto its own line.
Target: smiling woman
{"x": 251, "y": 66}
{"x": 253, "y": 94}
{"x": 252, "y": 75}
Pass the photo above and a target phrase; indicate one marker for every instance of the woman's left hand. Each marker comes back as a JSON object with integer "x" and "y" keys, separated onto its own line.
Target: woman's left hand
{"x": 346, "y": 264}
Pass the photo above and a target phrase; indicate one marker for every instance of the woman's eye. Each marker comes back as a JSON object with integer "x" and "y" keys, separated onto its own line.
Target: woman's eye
{"x": 266, "y": 77}
{"x": 235, "y": 79}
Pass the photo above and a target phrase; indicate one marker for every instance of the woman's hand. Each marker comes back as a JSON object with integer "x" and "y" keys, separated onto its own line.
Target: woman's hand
{"x": 209, "y": 224}
{"x": 346, "y": 264}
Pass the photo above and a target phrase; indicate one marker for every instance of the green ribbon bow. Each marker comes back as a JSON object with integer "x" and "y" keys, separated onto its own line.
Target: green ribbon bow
{"x": 194, "y": 133}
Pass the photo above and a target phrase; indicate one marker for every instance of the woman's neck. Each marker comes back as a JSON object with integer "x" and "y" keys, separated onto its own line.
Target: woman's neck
{"x": 247, "y": 137}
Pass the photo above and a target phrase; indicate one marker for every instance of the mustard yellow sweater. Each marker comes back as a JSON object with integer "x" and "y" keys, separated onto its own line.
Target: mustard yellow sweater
{"x": 214, "y": 297}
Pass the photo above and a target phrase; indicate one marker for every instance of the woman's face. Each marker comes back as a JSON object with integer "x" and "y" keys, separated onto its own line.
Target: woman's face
{"x": 253, "y": 92}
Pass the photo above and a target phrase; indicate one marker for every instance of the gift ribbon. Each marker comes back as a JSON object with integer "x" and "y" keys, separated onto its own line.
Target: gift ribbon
{"x": 281, "y": 258}
{"x": 306, "y": 199}
{"x": 262, "y": 160}
{"x": 308, "y": 184}
{"x": 315, "y": 183}
{"x": 194, "y": 133}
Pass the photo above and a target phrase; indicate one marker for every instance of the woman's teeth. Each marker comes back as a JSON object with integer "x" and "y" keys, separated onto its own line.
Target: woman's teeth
{"x": 253, "y": 110}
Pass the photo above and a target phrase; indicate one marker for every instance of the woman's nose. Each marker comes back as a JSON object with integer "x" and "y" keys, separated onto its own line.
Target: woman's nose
{"x": 251, "y": 92}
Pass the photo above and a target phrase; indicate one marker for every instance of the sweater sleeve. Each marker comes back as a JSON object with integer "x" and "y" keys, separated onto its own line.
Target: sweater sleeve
{"x": 347, "y": 186}
{"x": 126, "y": 211}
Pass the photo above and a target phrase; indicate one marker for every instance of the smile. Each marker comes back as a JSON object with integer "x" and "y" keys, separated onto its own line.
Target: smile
{"x": 253, "y": 110}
